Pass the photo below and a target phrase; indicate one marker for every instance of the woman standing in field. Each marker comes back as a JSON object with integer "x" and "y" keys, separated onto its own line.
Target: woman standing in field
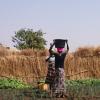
{"x": 58, "y": 84}
{"x": 51, "y": 70}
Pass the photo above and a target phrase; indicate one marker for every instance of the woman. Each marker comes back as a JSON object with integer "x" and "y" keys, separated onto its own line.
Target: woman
{"x": 51, "y": 70}
{"x": 58, "y": 84}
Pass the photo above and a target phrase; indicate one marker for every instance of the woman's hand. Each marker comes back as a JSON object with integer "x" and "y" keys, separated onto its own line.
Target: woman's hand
{"x": 67, "y": 45}
{"x": 66, "y": 41}
{"x": 53, "y": 42}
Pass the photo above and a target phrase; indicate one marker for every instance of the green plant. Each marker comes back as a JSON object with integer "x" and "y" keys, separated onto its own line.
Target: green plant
{"x": 86, "y": 87}
{"x": 6, "y": 83}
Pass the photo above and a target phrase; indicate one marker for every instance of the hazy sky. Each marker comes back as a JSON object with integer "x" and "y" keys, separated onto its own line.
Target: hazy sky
{"x": 76, "y": 20}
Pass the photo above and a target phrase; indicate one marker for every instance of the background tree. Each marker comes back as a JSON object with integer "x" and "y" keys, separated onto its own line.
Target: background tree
{"x": 27, "y": 38}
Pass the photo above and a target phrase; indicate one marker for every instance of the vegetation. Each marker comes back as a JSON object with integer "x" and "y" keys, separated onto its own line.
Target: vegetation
{"x": 86, "y": 87}
{"x": 9, "y": 83}
{"x": 74, "y": 88}
{"x": 25, "y": 39}
{"x": 29, "y": 65}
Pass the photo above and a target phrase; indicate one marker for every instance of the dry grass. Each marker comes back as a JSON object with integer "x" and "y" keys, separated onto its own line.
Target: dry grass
{"x": 84, "y": 63}
{"x": 97, "y": 51}
{"x": 26, "y": 63}
{"x": 29, "y": 64}
{"x": 3, "y": 52}
{"x": 83, "y": 52}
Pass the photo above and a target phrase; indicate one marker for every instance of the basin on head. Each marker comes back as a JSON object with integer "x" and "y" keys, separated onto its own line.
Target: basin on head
{"x": 59, "y": 43}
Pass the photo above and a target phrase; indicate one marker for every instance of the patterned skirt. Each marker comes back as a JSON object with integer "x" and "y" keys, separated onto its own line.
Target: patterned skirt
{"x": 58, "y": 85}
{"x": 50, "y": 74}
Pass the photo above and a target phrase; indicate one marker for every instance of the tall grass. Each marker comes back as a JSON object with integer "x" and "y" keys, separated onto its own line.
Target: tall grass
{"x": 83, "y": 63}
{"x": 29, "y": 64}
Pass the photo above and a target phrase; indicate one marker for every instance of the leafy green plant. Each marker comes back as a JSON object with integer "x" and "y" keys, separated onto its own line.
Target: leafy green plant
{"x": 6, "y": 83}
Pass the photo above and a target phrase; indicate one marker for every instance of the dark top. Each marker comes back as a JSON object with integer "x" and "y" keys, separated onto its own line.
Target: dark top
{"x": 59, "y": 59}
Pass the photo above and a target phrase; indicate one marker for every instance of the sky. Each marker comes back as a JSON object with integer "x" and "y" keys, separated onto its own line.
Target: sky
{"x": 75, "y": 20}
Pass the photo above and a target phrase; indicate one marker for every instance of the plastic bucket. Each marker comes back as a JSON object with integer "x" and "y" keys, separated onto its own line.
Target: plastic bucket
{"x": 59, "y": 43}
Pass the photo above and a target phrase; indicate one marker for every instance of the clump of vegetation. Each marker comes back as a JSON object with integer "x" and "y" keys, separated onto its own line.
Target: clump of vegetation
{"x": 6, "y": 83}
{"x": 86, "y": 87}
